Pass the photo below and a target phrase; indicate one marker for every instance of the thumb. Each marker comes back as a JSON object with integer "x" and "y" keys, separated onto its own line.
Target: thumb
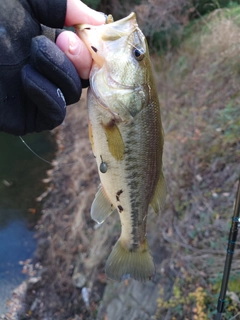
{"x": 76, "y": 51}
{"x": 79, "y": 13}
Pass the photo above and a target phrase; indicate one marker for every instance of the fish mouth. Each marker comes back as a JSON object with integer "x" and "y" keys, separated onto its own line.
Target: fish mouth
{"x": 120, "y": 28}
{"x": 107, "y": 32}
{"x": 122, "y": 22}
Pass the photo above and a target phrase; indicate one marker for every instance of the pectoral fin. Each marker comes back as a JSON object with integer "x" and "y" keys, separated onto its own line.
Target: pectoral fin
{"x": 159, "y": 196}
{"x": 101, "y": 207}
{"x": 115, "y": 141}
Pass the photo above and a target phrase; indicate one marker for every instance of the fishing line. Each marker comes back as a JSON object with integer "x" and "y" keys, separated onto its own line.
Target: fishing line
{"x": 29, "y": 148}
{"x": 34, "y": 151}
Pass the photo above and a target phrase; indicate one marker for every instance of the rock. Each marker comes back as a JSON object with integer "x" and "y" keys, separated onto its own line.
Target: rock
{"x": 79, "y": 280}
{"x": 16, "y": 303}
{"x": 125, "y": 302}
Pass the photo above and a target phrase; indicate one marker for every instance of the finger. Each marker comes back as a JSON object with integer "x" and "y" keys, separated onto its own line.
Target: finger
{"x": 78, "y": 13}
{"x": 76, "y": 51}
{"x": 53, "y": 64}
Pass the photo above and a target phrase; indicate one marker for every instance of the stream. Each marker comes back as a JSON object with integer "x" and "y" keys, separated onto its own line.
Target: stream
{"x": 21, "y": 174}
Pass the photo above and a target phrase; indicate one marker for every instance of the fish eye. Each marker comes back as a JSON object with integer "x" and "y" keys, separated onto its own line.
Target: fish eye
{"x": 138, "y": 53}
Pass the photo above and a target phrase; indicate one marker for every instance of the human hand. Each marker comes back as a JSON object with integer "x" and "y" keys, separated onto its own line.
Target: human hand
{"x": 37, "y": 80}
{"x": 70, "y": 43}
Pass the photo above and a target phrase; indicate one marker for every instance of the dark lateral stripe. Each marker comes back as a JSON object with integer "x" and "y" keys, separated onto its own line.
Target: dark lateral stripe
{"x": 132, "y": 176}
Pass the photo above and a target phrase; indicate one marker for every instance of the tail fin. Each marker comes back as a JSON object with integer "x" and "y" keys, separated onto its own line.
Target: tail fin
{"x": 123, "y": 263}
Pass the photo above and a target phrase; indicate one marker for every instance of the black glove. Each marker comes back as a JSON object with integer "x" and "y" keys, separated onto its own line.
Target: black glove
{"x": 37, "y": 80}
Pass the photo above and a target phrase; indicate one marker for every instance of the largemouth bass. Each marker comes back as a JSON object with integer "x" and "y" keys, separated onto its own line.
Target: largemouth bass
{"x": 126, "y": 135}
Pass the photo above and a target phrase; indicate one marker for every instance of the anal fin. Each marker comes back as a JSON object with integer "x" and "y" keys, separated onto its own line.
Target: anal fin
{"x": 101, "y": 207}
{"x": 159, "y": 197}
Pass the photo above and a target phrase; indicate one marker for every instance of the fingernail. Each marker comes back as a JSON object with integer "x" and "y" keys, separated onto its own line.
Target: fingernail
{"x": 105, "y": 16}
{"x": 74, "y": 47}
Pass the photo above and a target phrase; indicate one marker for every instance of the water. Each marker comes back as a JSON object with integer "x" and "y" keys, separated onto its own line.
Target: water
{"x": 21, "y": 173}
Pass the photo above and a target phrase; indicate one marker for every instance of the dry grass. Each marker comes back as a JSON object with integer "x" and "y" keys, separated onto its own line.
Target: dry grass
{"x": 156, "y": 18}
{"x": 156, "y": 15}
{"x": 200, "y": 98}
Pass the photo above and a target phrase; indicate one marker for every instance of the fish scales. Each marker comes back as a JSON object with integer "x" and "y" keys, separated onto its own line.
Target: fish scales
{"x": 126, "y": 134}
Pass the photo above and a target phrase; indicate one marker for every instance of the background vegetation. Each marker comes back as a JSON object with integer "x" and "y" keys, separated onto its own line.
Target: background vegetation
{"x": 201, "y": 109}
{"x": 162, "y": 21}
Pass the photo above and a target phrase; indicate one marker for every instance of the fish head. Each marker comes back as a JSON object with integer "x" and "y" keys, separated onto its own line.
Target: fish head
{"x": 119, "y": 49}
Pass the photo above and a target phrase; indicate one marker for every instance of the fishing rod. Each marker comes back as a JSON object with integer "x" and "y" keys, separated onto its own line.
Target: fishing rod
{"x": 230, "y": 251}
